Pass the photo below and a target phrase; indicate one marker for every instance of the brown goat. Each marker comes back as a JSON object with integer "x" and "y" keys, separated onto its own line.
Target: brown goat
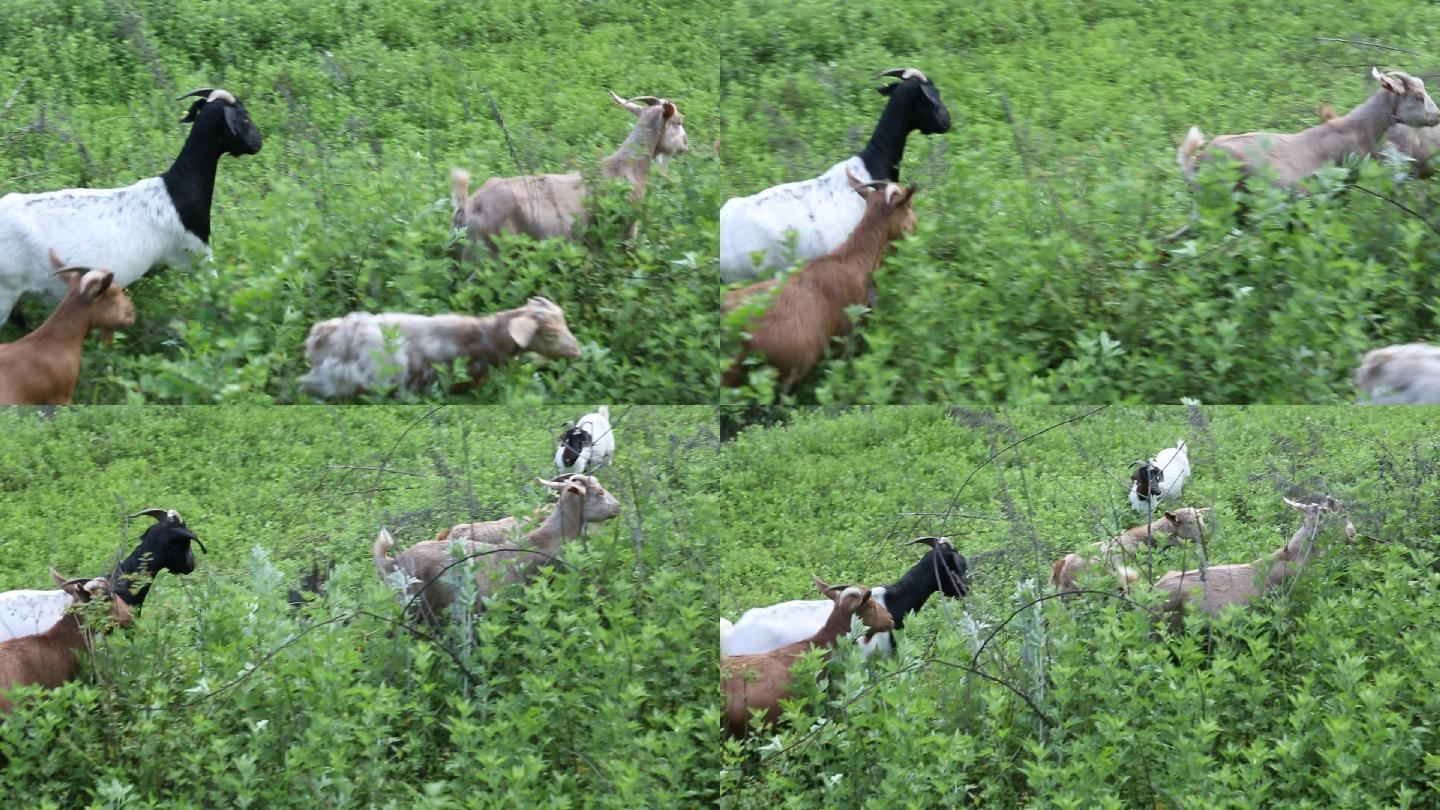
{"x": 1242, "y": 583}
{"x": 809, "y": 311}
{"x": 583, "y": 500}
{"x": 762, "y": 680}
{"x": 1187, "y": 523}
{"x": 51, "y": 658}
{"x": 43, "y": 367}
{"x": 544, "y": 206}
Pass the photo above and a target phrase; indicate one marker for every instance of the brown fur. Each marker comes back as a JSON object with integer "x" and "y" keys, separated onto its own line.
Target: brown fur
{"x": 1293, "y": 157}
{"x": 809, "y": 311}
{"x": 544, "y": 206}
{"x": 43, "y": 367}
{"x": 583, "y": 500}
{"x": 1187, "y": 523}
{"x": 762, "y": 680}
{"x": 52, "y": 657}
{"x": 1243, "y": 583}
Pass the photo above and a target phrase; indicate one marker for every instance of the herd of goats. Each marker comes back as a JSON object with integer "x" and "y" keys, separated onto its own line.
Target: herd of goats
{"x": 82, "y": 247}
{"x": 45, "y": 634}
{"x": 758, "y": 650}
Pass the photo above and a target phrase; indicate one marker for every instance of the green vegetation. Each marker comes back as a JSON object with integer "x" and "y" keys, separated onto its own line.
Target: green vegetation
{"x": 364, "y": 108}
{"x": 590, "y": 686}
{"x": 1038, "y": 274}
{"x": 1323, "y": 696}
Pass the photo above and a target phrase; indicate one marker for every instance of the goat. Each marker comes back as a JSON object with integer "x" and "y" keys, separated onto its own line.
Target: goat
{"x": 311, "y": 583}
{"x": 582, "y": 501}
{"x": 159, "y": 220}
{"x": 1217, "y": 586}
{"x": 1187, "y": 523}
{"x": 1417, "y": 143}
{"x": 43, "y": 367}
{"x": 587, "y": 444}
{"x": 50, "y": 658}
{"x": 766, "y": 628}
{"x": 821, "y": 211}
{"x": 363, "y": 351}
{"x": 810, "y": 309}
{"x": 544, "y": 206}
{"x": 1405, "y": 374}
{"x": 1293, "y": 157}
{"x": 165, "y": 546}
{"x": 1159, "y": 479}
{"x": 761, "y": 680}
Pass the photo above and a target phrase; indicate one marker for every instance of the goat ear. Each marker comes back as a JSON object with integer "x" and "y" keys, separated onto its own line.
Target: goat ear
{"x": 1170, "y": 516}
{"x": 1388, "y": 82}
{"x": 824, "y": 589}
{"x": 886, "y": 89}
{"x": 57, "y": 576}
{"x": 668, "y": 111}
{"x": 55, "y": 261}
{"x": 909, "y": 192}
{"x": 863, "y": 189}
{"x": 95, "y": 283}
{"x": 232, "y": 120}
{"x": 522, "y": 330}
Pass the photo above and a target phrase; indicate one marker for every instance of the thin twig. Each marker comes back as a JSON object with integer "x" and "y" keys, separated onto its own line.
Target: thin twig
{"x": 1365, "y": 44}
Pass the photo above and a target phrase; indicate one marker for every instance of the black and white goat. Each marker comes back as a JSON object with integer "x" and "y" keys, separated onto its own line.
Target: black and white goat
{"x": 762, "y": 629}
{"x": 824, "y": 210}
{"x": 1159, "y": 479}
{"x": 586, "y": 444}
{"x": 164, "y": 546}
{"x": 159, "y": 220}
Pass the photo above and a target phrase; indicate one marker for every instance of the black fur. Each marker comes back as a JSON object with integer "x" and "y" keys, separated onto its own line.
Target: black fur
{"x": 312, "y": 582}
{"x": 218, "y": 128}
{"x": 1147, "y": 478}
{"x": 574, "y": 440}
{"x": 910, "y": 592}
{"x": 914, "y": 105}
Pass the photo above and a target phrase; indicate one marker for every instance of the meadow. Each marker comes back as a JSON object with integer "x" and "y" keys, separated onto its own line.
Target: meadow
{"x": 1321, "y": 696}
{"x": 364, "y": 109}
{"x": 588, "y": 686}
{"x": 1039, "y": 273}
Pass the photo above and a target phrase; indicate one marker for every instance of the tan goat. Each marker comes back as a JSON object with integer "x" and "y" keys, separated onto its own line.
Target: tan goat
{"x": 1418, "y": 143}
{"x": 52, "y": 657}
{"x": 1293, "y": 157}
{"x": 544, "y": 206}
{"x": 362, "y": 350}
{"x": 1404, "y": 374}
{"x": 1187, "y": 523}
{"x": 43, "y": 367}
{"x": 583, "y": 500}
{"x": 762, "y": 680}
{"x": 809, "y": 310}
{"x": 1242, "y": 583}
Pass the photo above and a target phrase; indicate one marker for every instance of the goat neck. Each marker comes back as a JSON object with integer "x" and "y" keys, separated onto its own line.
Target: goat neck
{"x": 1363, "y": 126}
{"x": 564, "y": 523}
{"x": 631, "y": 161}
{"x": 886, "y": 148}
{"x": 191, "y": 180}
{"x": 913, "y": 589}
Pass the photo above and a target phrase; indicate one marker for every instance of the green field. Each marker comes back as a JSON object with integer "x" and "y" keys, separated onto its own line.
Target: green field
{"x": 1321, "y": 698}
{"x": 364, "y": 108}
{"x": 1038, "y": 275}
{"x": 593, "y": 681}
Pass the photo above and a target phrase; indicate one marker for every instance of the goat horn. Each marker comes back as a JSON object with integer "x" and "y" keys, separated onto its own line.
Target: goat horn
{"x": 904, "y": 74}
{"x": 556, "y": 484}
{"x": 158, "y": 514}
{"x": 62, "y": 271}
{"x": 927, "y": 541}
{"x": 210, "y": 94}
{"x": 648, "y": 101}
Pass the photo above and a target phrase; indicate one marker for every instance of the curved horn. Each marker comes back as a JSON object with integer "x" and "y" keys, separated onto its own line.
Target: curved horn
{"x": 932, "y": 542}
{"x": 904, "y": 74}
{"x": 210, "y": 94}
{"x": 556, "y": 484}
{"x": 160, "y": 515}
{"x": 1137, "y": 463}
{"x": 62, "y": 271}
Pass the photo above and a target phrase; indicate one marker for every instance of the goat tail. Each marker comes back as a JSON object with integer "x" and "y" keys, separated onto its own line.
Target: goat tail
{"x": 1128, "y": 576}
{"x": 1185, "y": 156}
{"x": 1057, "y": 574}
{"x": 380, "y": 552}
{"x": 459, "y": 188}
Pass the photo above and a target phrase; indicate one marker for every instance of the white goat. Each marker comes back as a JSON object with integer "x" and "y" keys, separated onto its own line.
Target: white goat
{"x": 159, "y": 220}
{"x": 1159, "y": 479}
{"x": 1406, "y": 374}
{"x": 363, "y": 351}
{"x": 1293, "y": 157}
{"x": 25, "y": 613}
{"x": 823, "y": 211}
{"x": 586, "y": 444}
